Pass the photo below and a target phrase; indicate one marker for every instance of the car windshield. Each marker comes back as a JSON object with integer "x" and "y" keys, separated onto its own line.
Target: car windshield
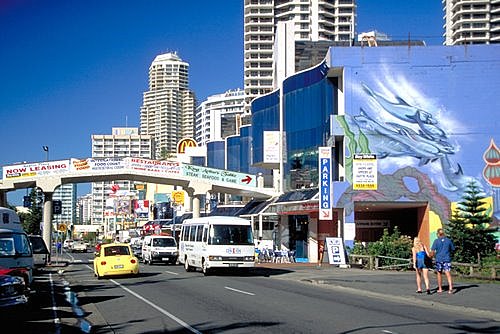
{"x": 231, "y": 235}
{"x": 38, "y": 245}
{"x": 164, "y": 242}
{"x": 116, "y": 250}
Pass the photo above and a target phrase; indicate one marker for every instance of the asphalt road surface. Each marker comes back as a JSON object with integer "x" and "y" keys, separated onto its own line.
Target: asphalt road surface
{"x": 167, "y": 299}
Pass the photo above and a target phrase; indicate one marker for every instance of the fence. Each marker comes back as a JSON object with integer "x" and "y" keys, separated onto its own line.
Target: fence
{"x": 373, "y": 262}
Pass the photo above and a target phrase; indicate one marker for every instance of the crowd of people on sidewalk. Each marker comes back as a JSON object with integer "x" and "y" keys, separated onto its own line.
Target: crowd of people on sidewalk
{"x": 441, "y": 251}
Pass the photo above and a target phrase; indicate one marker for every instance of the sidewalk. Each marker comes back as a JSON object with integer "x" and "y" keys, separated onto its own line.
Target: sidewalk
{"x": 478, "y": 298}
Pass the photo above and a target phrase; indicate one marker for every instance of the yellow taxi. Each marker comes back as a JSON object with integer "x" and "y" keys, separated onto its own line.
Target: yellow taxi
{"x": 115, "y": 259}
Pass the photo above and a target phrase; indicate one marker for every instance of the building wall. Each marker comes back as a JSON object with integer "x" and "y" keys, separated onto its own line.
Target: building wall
{"x": 427, "y": 113}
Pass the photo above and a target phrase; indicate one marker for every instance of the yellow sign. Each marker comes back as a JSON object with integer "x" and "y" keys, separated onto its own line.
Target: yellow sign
{"x": 62, "y": 227}
{"x": 178, "y": 197}
{"x": 186, "y": 142}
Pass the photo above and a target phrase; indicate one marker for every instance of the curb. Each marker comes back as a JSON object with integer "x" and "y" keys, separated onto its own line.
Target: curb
{"x": 410, "y": 300}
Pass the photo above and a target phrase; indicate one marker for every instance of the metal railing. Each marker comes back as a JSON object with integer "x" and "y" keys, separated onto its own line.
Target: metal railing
{"x": 474, "y": 270}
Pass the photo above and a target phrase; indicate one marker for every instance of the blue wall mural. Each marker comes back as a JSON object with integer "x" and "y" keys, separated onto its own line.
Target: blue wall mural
{"x": 429, "y": 113}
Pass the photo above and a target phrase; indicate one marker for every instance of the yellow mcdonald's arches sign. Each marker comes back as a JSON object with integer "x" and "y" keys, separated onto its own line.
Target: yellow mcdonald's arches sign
{"x": 186, "y": 142}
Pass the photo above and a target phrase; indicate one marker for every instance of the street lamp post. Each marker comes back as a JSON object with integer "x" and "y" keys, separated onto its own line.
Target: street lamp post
{"x": 46, "y": 149}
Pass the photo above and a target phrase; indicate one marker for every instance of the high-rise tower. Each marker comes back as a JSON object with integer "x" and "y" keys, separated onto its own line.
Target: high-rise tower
{"x": 167, "y": 112}
{"x": 471, "y": 21}
{"x": 311, "y": 20}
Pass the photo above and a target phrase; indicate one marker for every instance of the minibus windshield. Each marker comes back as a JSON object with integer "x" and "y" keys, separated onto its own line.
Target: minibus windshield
{"x": 230, "y": 235}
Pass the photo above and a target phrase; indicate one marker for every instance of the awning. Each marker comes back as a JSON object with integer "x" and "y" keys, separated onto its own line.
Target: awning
{"x": 296, "y": 202}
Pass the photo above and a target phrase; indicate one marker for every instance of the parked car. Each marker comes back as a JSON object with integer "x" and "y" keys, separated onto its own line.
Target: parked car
{"x": 67, "y": 244}
{"x": 13, "y": 288}
{"x": 79, "y": 246}
{"x": 41, "y": 254}
{"x": 115, "y": 259}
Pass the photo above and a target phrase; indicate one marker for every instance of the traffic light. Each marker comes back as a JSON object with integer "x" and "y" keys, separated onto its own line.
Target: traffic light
{"x": 56, "y": 207}
{"x": 27, "y": 201}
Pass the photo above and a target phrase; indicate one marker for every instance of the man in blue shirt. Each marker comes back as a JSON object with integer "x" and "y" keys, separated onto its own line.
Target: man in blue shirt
{"x": 441, "y": 249}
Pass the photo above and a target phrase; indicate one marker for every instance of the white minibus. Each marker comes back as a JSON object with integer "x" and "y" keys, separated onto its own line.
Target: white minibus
{"x": 216, "y": 242}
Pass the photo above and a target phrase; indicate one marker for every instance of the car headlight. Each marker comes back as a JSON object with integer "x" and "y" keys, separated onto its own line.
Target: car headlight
{"x": 155, "y": 253}
{"x": 249, "y": 258}
{"x": 215, "y": 258}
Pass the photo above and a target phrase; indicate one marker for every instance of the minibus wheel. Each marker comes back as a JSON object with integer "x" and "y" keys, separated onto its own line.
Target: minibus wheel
{"x": 204, "y": 268}
{"x": 186, "y": 265}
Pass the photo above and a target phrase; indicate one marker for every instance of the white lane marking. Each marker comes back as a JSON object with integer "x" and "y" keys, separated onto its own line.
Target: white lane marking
{"x": 57, "y": 321}
{"x": 171, "y": 273}
{"x": 168, "y": 314}
{"x": 240, "y": 291}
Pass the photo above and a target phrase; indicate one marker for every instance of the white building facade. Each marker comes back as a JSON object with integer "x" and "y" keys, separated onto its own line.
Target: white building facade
{"x": 219, "y": 116}
{"x": 66, "y": 193}
{"x": 84, "y": 209}
{"x": 309, "y": 20}
{"x": 471, "y": 21}
{"x": 167, "y": 112}
{"x": 123, "y": 142}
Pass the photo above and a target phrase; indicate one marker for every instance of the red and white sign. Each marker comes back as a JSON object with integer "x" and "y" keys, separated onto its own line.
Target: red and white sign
{"x": 48, "y": 168}
{"x": 155, "y": 166}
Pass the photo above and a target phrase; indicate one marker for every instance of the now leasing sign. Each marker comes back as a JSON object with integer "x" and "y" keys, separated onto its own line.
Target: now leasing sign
{"x": 325, "y": 183}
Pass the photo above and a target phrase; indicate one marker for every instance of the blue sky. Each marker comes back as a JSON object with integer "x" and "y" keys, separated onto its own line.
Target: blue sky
{"x": 70, "y": 69}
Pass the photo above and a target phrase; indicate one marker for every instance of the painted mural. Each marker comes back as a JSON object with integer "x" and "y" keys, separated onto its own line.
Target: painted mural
{"x": 430, "y": 116}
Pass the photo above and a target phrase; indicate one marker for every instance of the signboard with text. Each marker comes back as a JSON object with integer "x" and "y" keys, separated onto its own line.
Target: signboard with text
{"x": 218, "y": 175}
{"x": 98, "y": 164}
{"x": 364, "y": 172}
{"x": 325, "y": 183}
{"x": 155, "y": 166}
{"x": 49, "y": 168}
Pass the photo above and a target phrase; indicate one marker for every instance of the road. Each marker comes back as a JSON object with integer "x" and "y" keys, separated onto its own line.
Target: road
{"x": 166, "y": 299}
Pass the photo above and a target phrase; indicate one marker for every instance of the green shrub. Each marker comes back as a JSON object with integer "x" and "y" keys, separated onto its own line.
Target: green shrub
{"x": 390, "y": 244}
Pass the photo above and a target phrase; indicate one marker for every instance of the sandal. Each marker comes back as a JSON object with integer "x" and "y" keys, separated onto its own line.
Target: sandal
{"x": 428, "y": 291}
{"x": 418, "y": 291}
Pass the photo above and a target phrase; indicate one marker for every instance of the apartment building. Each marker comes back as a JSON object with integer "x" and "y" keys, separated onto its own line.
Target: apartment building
{"x": 123, "y": 142}
{"x": 66, "y": 193}
{"x": 310, "y": 20}
{"x": 167, "y": 112}
{"x": 219, "y": 116}
{"x": 471, "y": 21}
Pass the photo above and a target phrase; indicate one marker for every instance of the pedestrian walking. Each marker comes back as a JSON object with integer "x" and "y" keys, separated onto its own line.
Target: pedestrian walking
{"x": 442, "y": 249}
{"x": 421, "y": 264}
{"x": 321, "y": 250}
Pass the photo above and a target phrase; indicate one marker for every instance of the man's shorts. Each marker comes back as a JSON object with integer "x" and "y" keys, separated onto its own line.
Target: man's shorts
{"x": 443, "y": 266}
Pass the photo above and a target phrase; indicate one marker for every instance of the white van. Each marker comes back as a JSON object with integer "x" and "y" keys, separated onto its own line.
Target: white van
{"x": 216, "y": 242}
{"x": 15, "y": 247}
{"x": 159, "y": 248}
